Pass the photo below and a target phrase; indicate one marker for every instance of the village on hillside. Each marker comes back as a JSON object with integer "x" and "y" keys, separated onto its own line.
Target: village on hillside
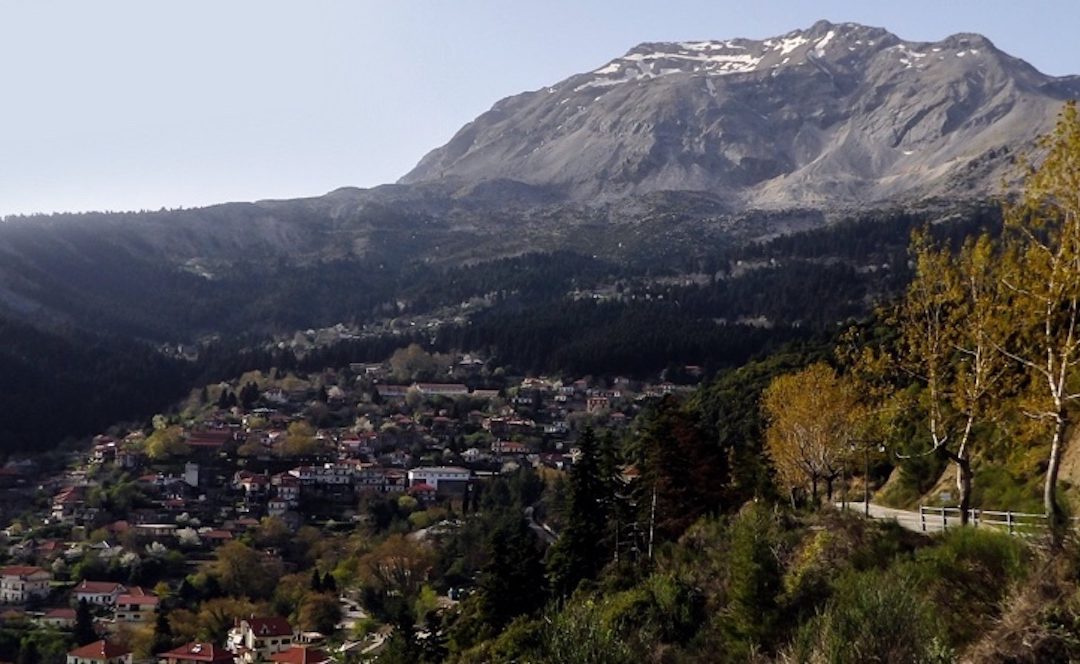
{"x": 274, "y": 478}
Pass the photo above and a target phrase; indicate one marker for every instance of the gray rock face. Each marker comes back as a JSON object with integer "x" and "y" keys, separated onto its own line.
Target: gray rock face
{"x": 836, "y": 114}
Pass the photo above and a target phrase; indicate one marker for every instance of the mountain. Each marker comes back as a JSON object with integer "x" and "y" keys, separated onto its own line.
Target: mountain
{"x": 694, "y": 203}
{"x": 660, "y": 160}
{"x": 835, "y": 114}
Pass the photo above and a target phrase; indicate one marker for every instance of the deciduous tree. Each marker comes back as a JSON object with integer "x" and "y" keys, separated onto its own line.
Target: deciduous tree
{"x": 1043, "y": 282}
{"x": 950, "y": 327}
{"x": 813, "y": 415}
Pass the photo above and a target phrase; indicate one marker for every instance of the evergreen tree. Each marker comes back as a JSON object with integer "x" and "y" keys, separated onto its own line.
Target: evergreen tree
{"x": 329, "y": 584}
{"x": 685, "y": 475}
{"x": 755, "y": 574}
{"x": 84, "y": 624}
{"x": 187, "y": 593}
{"x": 162, "y": 631}
{"x": 28, "y": 652}
{"x": 434, "y": 647}
{"x": 401, "y": 648}
{"x": 579, "y": 553}
{"x": 511, "y": 583}
{"x": 316, "y": 581}
{"x": 249, "y": 394}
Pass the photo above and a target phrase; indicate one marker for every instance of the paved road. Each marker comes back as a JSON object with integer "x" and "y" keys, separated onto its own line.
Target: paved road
{"x": 543, "y": 531}
{"x": 905, "y": 518}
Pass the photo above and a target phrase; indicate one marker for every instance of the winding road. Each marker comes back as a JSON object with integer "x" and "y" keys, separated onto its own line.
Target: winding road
{"x": 906, "y": 518}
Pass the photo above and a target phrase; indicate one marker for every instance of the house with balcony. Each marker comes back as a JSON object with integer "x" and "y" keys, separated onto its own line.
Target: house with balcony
{"x": 256, "y": 639}
{"x": 136, "y": 606}
{"x": 22, "y": 583}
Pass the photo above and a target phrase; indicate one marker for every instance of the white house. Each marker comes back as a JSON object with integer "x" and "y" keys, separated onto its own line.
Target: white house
{"x": 256, "y": 639}
{"x": 99, "y": 593}
{"x": 99, "y": 652}
{"x": 21, "y": 583}
{"x": 136, "y": 606}
{"x": 445, "y": 479}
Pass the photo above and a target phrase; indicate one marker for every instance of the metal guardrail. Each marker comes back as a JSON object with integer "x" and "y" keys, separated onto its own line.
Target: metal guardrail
{"x": 932, "y": 519}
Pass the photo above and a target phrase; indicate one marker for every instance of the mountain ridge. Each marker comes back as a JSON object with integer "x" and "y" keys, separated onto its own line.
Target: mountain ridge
{"x": 835, "y": 113}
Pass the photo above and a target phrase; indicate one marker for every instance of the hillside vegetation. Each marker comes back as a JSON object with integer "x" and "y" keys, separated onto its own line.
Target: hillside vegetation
{"x": 717, "y": 546}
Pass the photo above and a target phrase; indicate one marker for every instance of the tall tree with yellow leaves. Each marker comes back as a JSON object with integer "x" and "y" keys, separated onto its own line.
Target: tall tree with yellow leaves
{"x": 949, "y": 324}
{"x": 1043, "y": 282}
{"x": 812, "y": 416}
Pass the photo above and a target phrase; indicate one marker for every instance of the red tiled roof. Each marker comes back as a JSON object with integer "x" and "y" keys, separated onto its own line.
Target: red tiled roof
{"x": 199, "y": 652}
{"x": 98, "y": 587}
{"x": 20, "y": 570}
{"x": 60, "y": 613}
{"x": 270, "y": 626}
{"x": 66, "y": 497}
{"x": 141, "y": 598}
{"x": 99, "y": 650}
{"x": 300, "y": 655}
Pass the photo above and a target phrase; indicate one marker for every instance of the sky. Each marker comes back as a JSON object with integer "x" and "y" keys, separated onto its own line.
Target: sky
{"x": 111, "y": 105}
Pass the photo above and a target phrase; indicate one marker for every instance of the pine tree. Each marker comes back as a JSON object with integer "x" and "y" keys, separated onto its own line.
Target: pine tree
{"x": 579, "y": 552}
{"x": 684, "y": 474}
{"x": 511, "y": 583}
{"x": 316, "y": 581}
{"x": 329, "y": 584}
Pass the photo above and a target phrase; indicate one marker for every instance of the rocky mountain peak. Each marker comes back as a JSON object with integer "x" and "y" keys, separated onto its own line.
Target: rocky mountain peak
{"x": 834, "y": 113}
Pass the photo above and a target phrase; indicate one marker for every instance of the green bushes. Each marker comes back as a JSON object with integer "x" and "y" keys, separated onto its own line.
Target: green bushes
{"x": 765, "y": 585}
{"x": 582, "y": 634}
{"x": 966, "y": 576}
{"x": 754, "y": 574}
{"x": 872, "y": 616}
{"x": 995, "y": 487}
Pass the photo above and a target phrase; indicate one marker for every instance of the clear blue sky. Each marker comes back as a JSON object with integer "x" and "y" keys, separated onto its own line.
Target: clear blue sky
{"x": 132, "y": 105}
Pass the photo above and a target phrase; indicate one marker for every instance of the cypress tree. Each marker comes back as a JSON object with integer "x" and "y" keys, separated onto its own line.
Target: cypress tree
{"x": 162, "y": 631}
{"x": 84, "y": 624}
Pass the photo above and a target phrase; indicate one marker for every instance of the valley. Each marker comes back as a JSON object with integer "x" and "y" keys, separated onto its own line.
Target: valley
{"x": 584, "y": 385}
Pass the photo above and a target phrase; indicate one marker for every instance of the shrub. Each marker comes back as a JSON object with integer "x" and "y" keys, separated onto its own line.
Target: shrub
{"x": 754, "y": 572}
{"x": 966, "y": 575}
{"x": 579, "y": 635}
{"x": 872, "y": 617}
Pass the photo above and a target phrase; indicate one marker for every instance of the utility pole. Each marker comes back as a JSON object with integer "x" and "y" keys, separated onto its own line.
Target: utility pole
{"x": 652, "y": 521}
{"x": 866, "y": 480}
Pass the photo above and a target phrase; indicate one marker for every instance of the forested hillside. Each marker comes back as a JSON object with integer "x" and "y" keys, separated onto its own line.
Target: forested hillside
{"x": 720, "y": 538}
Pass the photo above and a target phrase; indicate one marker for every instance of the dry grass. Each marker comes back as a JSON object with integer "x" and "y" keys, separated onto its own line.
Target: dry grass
{"x": 1040, "y": 622}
